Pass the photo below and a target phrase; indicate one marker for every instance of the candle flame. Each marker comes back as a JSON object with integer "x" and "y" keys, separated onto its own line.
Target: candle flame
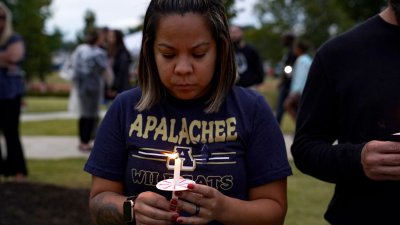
{"x": 172, "y": 155}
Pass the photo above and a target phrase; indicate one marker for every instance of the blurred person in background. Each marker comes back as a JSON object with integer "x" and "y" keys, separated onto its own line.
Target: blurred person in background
{"x": 287, "y": 62}
{"x": 104, "y": 33}
{"x": 248, "y": 61}
{"x": 120, "y": 60}
{"x": 352, "y": 98}
{"x": 12, "y": 52}
{"x": 299, "y": 77}
{"x": 91, "y": 72}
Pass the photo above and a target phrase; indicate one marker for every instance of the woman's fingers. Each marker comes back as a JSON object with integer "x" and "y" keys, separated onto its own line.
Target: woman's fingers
{"x": 151, "y": 208}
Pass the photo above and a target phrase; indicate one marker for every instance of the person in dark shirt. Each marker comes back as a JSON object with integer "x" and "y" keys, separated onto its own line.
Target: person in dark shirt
{"x": 248, "y": 61}
{"x": 186, "y": 104}
{"x": 120, "y": 60}
{"x": 287, "y": 62}
{"x": 349, "y": 111}
{"x": 12, "y": 89}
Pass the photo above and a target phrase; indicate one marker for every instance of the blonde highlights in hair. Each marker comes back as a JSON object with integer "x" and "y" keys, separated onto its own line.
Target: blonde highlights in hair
{"x": 8, "y": 29}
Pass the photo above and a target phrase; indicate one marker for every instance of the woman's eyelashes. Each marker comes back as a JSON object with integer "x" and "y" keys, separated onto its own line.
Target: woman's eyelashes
{"x": 196, "y": 55}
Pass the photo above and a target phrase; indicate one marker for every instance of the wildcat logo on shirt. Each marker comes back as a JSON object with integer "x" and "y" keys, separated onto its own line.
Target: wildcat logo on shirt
{"x": 184, "y": 132}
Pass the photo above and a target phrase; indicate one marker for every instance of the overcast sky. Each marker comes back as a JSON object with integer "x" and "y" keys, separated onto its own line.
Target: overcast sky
{"x": 68, "y": 15}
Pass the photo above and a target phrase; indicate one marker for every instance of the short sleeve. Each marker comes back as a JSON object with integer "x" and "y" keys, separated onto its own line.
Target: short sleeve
{"x": 109, "y": 155}
{"x": 266, "y": 157}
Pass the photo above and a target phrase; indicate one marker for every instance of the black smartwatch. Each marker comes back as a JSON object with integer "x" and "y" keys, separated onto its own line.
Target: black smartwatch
{"x": 129, "y": 214}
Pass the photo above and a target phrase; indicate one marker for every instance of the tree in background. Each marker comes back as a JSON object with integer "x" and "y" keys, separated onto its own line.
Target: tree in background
{"x": 90, "y": 24}
{"x": 313, "y": 20}
{"x": 29, "y": 21}
{"x": 230, "y": 9}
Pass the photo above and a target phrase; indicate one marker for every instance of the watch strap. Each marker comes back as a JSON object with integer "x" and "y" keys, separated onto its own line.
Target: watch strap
{"x": 129, "y": 214}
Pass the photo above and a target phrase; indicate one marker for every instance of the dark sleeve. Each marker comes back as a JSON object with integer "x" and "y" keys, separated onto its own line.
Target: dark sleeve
{"x": 317, "y": 129}
{"x": 15, "y": 38}
{"x": 266, "y": 157}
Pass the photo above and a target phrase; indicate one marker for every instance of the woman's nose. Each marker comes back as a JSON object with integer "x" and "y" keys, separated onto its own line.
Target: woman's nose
{"x": 183, "y": 66}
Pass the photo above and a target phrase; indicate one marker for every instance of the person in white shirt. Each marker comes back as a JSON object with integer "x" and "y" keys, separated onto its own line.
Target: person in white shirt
{"x": 300, "y": 73}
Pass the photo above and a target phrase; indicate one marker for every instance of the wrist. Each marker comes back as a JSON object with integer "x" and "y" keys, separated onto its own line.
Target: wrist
{"x": 128, "y": 210}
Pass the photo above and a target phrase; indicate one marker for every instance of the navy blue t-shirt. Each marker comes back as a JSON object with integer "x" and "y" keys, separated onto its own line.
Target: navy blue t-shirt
{"x": 11, "y": 80}
{"x": 238, "y": 148}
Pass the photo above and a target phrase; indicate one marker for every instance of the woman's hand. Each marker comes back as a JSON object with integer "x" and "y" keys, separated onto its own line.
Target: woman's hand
{"x": 267, "y": 204}
{"x": 152, "y": 208}
{"x": 203, "y": 202}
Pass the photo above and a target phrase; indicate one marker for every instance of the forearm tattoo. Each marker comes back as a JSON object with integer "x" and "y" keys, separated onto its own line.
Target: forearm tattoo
{"x": 106, "y": 213}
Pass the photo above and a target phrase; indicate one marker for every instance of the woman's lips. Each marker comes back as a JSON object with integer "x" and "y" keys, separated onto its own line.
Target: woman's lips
{"x": 185, "y": 86}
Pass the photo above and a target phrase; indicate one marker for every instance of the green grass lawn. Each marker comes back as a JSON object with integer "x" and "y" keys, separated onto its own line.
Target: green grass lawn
{"x": 62, "y": 172}
{"x": 308, "y": 199}
{"x": 62, "y": 127}
{"x": 45, "y": 104}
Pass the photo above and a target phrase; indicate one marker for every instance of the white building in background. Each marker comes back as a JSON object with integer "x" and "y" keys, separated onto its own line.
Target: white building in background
{"x": 133, "y": 42}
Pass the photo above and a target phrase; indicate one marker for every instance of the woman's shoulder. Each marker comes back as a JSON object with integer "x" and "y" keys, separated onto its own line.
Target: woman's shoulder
{"x": 247, "y": 99}
{"x": 245, "y": 94}
{"x": 125, "y": 101}
{"x": 131, "y": 95}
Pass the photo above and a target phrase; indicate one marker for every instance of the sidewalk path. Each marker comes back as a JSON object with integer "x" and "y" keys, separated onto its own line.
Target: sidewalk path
{"x": 58, "y": 147}
{"x": 51, "y": 147}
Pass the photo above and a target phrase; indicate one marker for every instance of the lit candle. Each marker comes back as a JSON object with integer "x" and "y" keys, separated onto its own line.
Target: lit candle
{"x": 177, "y": 170}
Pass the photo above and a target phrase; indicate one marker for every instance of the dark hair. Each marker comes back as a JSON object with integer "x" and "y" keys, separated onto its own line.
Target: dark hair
{"x": 213, "y": 11}
{"x": 303, "y": 45}
{"x": 119, "y": 43}
{"x": 92, "y": 36}
{"x": 119, "y": 39}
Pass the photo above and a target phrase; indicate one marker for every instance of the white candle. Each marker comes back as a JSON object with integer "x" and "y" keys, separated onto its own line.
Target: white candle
{"x": 177, "y": 170}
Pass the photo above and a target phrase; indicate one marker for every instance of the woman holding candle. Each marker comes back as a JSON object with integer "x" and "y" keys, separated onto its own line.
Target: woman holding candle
{"x": 226, "y": 137}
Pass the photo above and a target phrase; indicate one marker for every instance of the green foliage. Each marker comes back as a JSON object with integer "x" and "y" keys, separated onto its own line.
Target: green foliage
{"x": 312, "y": 20}
{"x": 266, "y": 42}
{"x": 231, "y": 11}
{"x": 55, "y": 40}
{"x": 281, "y": 13}
{"x": 358, "y": 10}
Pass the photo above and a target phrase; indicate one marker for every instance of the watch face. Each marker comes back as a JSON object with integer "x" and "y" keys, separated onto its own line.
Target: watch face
{"x": 128, "y": 210}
